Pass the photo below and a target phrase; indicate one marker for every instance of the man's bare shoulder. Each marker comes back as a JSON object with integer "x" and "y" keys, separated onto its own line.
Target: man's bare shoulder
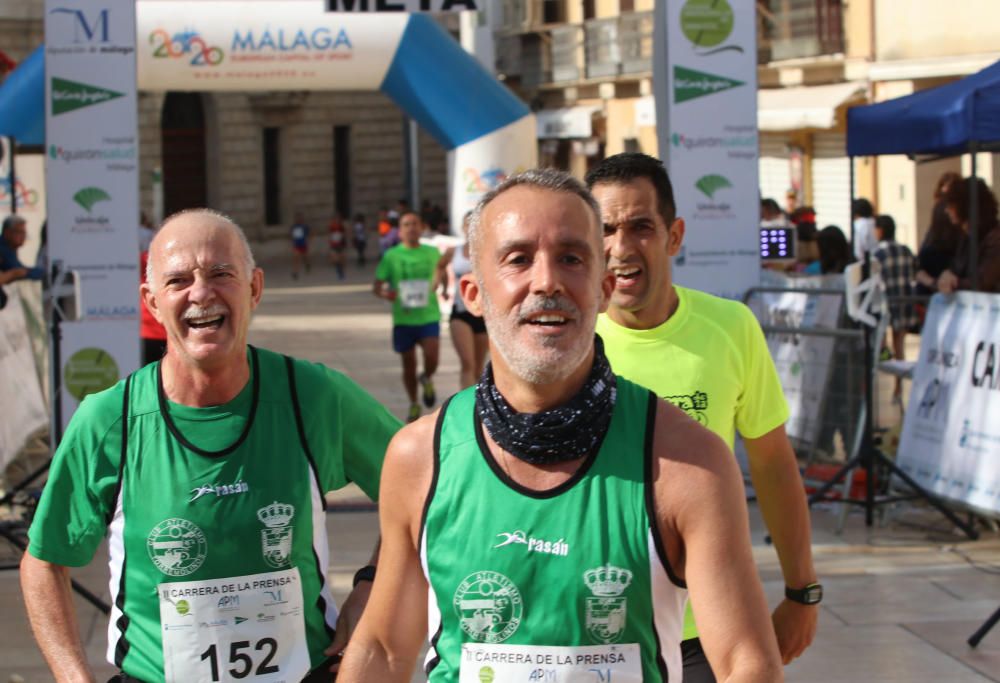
{"x": 409, "y": 468}
{"x": 688, "y": 459}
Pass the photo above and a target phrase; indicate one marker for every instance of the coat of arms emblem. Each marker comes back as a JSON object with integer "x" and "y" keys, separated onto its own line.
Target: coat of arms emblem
{"x": 276, "y": 536}
{"x": 606, "y": 610}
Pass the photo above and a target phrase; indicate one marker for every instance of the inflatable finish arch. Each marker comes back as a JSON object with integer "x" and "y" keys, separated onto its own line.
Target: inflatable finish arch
{"x": 221, "y": 45}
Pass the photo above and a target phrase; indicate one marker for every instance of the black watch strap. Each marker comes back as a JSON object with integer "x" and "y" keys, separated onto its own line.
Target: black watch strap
{"x": 366, "y": 573}
{"x": 809, "y": 595}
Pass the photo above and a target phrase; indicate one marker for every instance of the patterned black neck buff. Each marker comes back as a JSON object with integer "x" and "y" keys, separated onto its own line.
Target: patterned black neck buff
{"x": 570, "y": 431}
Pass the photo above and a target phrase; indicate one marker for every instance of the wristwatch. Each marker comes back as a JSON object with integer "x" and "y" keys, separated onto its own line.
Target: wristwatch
{"x": 366, "y": 573}
{"x": 810, "y": 595}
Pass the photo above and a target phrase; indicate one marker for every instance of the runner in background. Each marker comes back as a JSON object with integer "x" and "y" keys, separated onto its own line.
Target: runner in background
{"x": 468, "y": 331}
{"x": 407, "y": 275}
{"x": 299, "y": 234}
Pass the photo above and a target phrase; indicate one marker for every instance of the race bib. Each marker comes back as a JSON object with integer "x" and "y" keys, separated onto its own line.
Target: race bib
{"x": 240, "y": 628}
{"x": 489, "y": 663}
{"x": 414, "y": 293}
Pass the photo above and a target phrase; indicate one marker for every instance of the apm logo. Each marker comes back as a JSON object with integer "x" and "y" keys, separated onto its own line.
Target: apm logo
{"x": 87, "y": 29}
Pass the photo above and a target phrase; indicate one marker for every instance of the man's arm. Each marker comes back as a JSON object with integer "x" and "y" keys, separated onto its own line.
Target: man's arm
{"x": 380, "y": 290}
{"x": 12, "y": 275}
{"x": 49, "y": 602}
{"x": 386, "y": 643}
{"x": 782, "y": 500}
{"x": 351, "y": 611}
{"x": 701, "y": 510}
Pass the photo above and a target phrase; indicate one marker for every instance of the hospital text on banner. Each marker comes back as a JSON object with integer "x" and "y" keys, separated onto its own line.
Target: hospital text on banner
{"x": 708, "y": 139}
{"x": 91, "y": 144}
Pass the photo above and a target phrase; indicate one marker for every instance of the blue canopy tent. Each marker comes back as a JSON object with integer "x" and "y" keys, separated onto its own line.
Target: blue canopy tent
{"x": 957, "y": 118}
{"x": 22, "y": 108}
{"x": 22, "y": 101}
{"x": 942, "y": 121}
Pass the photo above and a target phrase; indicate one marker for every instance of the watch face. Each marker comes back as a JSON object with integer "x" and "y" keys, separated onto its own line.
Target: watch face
{"x": 814, "y": 594}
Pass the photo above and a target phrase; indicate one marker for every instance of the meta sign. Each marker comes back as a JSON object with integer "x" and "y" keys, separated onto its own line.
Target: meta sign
{"x": 400, "y": 5}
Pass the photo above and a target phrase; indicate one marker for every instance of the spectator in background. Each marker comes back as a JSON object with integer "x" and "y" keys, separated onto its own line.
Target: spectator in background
{"x": 806, "y": 248}
{"x": 959, "y": 274}
{"x": 899, "y": 269}
{"x": 299, "y": 234}
{"x": 151, "y": 333}
{"x": 771, "y": 215}
{"x": 863, "y": 216}
{"x": 146, "y": 232}
{"x": 360, "y": 237}
{"x": 12, "y": 238}
{"x": 338, "y": 243}
{"x": 834, "y": 250}
{"x": 941, "y": 241}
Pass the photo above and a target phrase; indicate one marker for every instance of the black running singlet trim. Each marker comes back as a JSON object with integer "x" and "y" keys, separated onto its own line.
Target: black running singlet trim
{"x": 165, "y": 413}
{"x": 300, "y": 425}
{"x": 122, "y": 646}
{"x": 434, "y": 661}
{"x": 304, "y": 442}
{"x": 648, "y": 455}
{"x": 580, "y": 473}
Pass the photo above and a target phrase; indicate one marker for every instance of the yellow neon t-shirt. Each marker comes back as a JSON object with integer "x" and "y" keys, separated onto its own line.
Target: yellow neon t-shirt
{"x": 711, "y": 360}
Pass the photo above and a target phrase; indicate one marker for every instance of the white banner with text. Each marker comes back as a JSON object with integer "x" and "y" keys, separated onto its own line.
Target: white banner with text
{"x": 708, "y": 139}
{"x": 951, "y": 435}
{"x": 92, "y": 179}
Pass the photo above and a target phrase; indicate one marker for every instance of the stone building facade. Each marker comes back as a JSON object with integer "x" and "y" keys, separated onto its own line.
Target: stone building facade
{"x": 222, "y": 149}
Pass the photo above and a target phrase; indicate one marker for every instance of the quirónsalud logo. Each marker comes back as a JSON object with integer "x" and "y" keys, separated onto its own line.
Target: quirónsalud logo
{"x": 690, "y": 84}
{"x": 69, "y": 95}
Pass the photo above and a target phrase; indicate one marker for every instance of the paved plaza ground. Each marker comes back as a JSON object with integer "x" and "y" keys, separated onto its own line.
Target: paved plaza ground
{"x": 901, "y": 598}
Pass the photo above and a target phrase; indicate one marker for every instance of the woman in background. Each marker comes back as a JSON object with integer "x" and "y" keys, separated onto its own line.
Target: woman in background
{"x": 941, "y": 241}
{"x": 959, "y": 274}
{"x": 468, "y": 331}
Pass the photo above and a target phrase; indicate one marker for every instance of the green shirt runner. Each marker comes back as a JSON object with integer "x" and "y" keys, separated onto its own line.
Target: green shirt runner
{"x": 217, "y": 540}
{"x": 564, "y": 584}
{"x": 410, "y": 273}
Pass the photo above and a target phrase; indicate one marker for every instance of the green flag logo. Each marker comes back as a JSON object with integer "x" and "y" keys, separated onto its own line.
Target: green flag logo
{"x": 710, "y": 184}
{"x": 690, "y": 84}
{"x": 69, "y": 95}
{"x": 89, "y": 196}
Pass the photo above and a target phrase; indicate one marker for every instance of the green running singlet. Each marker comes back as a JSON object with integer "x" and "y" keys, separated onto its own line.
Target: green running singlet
{"x": 571, "y": 583}
{"x": 218, "y": 545}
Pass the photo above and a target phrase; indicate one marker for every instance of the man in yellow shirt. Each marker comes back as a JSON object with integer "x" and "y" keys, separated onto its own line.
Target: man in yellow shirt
{"x": 708, "y": 356}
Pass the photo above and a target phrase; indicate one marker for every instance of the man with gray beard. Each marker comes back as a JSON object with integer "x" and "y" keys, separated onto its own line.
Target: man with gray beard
{"x": 543, "y": 522}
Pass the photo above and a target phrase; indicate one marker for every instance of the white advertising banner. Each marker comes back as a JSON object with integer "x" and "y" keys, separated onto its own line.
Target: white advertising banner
{"x": 950, "y": 443}
{"x": 803, "y": 361}
{"x": 22, "y": 406}
{"x": 477, "y": 167}
{"x": 29, "y": 188}
{"x": 708, "y": 139}
{"x": 289, "y": 45}
{"x": 92, "y": 177}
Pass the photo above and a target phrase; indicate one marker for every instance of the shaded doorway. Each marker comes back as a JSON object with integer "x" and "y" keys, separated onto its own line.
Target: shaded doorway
{"x": 183, "y": 152}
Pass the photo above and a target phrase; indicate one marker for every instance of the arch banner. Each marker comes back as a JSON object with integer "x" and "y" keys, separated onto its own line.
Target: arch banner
{"x": 218, "y": 45}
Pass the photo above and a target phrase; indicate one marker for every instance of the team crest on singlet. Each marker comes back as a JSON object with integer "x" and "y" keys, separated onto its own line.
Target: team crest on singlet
{"x": 176, "y": 546}
{"x": 607, "y": 608}
{"x": 276, "y": 536}
{"x": 489, "y": 606}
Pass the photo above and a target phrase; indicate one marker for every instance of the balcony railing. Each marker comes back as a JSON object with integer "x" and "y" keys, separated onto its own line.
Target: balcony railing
{"x": 792, "y": 29}
{"x": 567, "y": 53}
